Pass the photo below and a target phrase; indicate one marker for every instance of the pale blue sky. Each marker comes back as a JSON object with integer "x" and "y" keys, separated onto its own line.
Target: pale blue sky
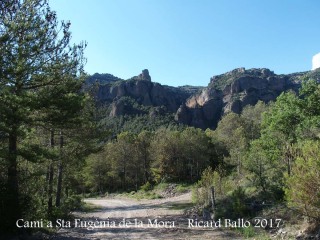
{"x": 188, "y": 41}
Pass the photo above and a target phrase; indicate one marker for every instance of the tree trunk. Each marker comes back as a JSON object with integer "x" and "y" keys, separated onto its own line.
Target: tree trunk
{"x": 239, "y": 163}
{"x": 145, "y": 166}
{"x": 60, "y": 171}
{"x": 212, "y": 197}
{"x": 50, "y": 177}
{"x": 124, "y": 177}
{"x": 288, "y": 157}
{"x": 289, "y": 164}
{"x": 12, "y": 207}
{"x": 136, "y": 179}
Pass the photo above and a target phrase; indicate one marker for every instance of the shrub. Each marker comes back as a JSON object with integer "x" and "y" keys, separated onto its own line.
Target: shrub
{"x": 182, "y": 188}
{"x": 146, "y": 187}
{"x": 303, "y": 185}
{"x": 72, "y": 203}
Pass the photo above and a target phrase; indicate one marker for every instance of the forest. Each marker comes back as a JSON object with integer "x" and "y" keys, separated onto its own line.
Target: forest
{"x": 56, "y": 146}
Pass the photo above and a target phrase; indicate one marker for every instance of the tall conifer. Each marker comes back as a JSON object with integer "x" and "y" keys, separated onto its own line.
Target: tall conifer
{"x": 40, "y": 81}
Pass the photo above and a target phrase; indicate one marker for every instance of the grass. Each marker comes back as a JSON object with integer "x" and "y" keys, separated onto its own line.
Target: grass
{"x": 141, "y": 194}
{"x": 147, "y": 195}
{"x": 161, "y": 186}
{"x": 180, "y": 206}
{"x": 156, "y": 192}
{"x": 183, "y": 188}
{"x": 89, "y": 207}
{"x": 253, "y": 233}
{"x": 247, "y": 232}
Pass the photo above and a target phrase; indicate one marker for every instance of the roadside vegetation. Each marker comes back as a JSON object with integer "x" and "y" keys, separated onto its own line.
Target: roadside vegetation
{"x": 161, "y": 190}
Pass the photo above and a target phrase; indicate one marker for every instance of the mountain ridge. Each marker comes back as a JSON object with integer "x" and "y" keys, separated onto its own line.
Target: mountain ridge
{"x": 196, "y": 106}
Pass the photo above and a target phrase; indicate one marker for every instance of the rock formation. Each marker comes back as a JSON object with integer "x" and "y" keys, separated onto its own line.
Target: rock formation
{"x": 139, "y": 90}
{"x": 232, "y": 91}
{"x": 145, "y": 76}
{"x": 193, "y": 106}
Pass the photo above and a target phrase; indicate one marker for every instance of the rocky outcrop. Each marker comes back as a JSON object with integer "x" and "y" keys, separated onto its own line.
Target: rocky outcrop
{"x": 194, "y": 106}
{"x": 232, "y": 91}
{"x": 145, "y": 76}
{"x": 139, "y": 90}
{"x": 104, "y": 78}
{"x": 201, "y": 109}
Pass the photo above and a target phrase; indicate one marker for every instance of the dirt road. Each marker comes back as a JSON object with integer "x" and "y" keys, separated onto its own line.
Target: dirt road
{"x": 143, "y": 219}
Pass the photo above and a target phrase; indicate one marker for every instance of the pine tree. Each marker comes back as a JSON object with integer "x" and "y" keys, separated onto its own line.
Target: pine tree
{"x": 39, "y": 70}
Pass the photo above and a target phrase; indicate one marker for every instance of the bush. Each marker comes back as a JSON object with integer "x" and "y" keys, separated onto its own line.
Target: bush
{"x": 238, "y": 203}
{"x": 201, "y": 194}
{"x": 303, "y": 185}
{"x": 72, "y": 203}
{"x": 183, "y": 188}
{"x": 233, "y": 206}
{"x": 162, "y": 186}
{"x": 146, "y": 187}
{"x": 247, "y": 232}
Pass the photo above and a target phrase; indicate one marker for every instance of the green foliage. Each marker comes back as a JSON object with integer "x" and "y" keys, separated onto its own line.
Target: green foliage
{"x": 41, "y": 76}
{"x": 252, "y": 116}
{"x": 143, "y": 194}
{"x": 233, "y": 206}
{"x": 102, "y": 79}
{"x": 146, "y": 187}
{"x": 303, "y": 185}
{"x": 201, "y": 192}
{"x": 248, "y": 232}
{"x": 89, "y": 207}
{"x": 295, "y": 117}
{"x": 232, "y": 132}
{"x": 211, "y": 181}
{"x": 182, "y": 188}
{"x": 223, "y": 80}
{"x": 180, "y": 156}
{"x": 72, "y": 203}
{"x": 284, "y": 116}
{"x": 287, "y": 121}
{"x": 130, "y": 161}
{"x": 161, "y": 186}
{"x": 95, "y": 173}
{"x": 145, "y": 121}
{"x": 263, "y": 173}
{"x": 238, "y": 203}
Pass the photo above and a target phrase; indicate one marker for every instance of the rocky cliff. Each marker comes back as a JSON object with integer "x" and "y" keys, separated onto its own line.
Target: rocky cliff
{"x": 194, "y": 106}
{"x": 232, "y": 91}
{"x": 101, "y": 79}
{"x": 132, "y": 95}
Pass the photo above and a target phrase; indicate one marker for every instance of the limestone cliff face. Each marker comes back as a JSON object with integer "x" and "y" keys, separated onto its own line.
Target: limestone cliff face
{"x": 232, "y": 91}
{"x": 194, "y": 106}
{"x": 141, "y": 91}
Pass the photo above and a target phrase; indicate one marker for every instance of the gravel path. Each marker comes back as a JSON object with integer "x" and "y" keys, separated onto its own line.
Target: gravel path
{"x": 139, "y": 219}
